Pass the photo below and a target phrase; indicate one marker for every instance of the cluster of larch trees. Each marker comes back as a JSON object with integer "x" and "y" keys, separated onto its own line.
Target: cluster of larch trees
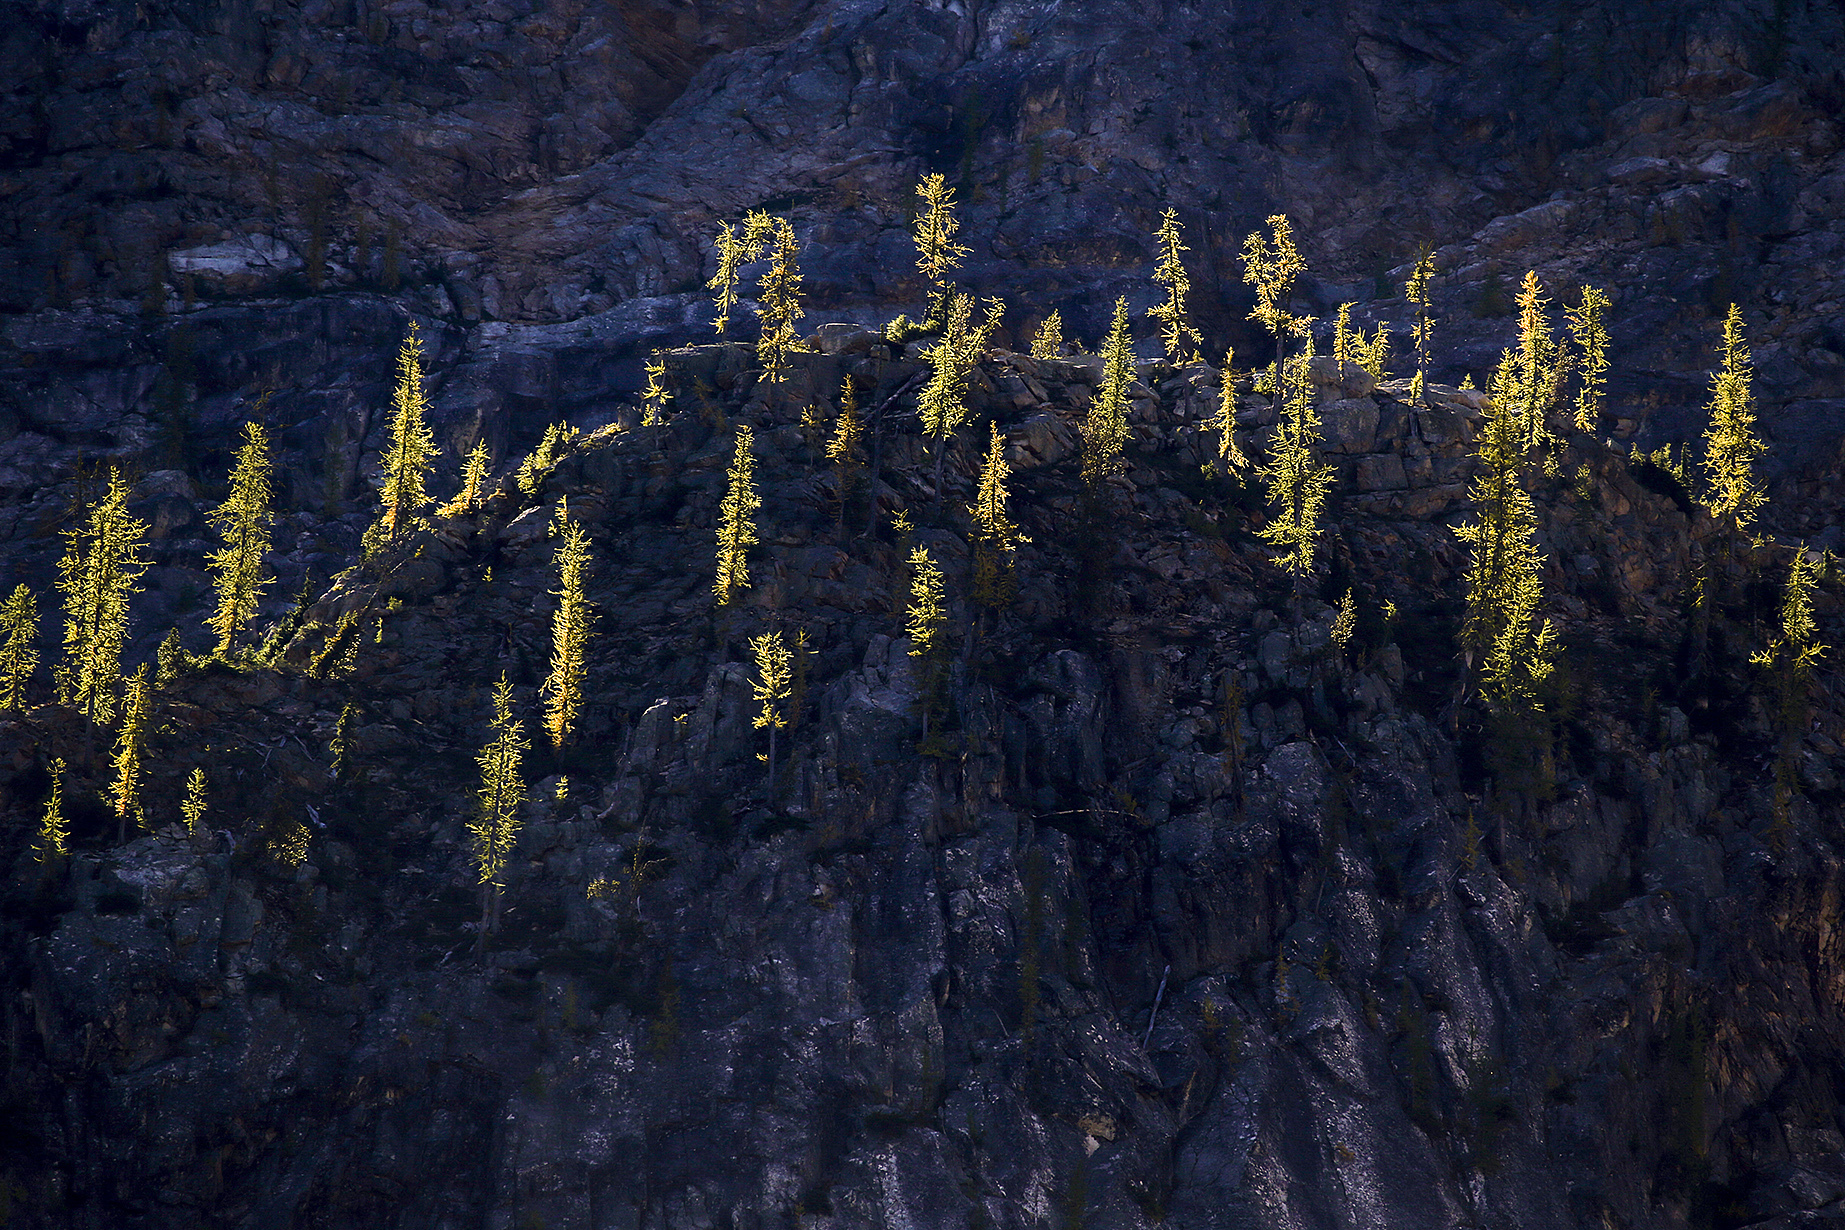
{"x": 1505, "y": 639}
{"x": 101, "y": 570}
{"x": 1509, "y": 645}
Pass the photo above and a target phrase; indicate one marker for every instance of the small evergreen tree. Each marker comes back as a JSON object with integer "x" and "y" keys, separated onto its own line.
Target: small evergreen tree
{"x": 1731, "y": 446}
{"x": 1417, "y": 292}
{"x": 53, "y": 834}
{"x": 1347, "y": 344}
{"x": 996, "y": 537}
{"x": 1296, "y": 479}
{"x": 539, "y": 463}
{"x": 1224, "y": 422}
{"x": 1538, "y": 365}
{"x": 125, "y": 795}
{"x": 735, "y": 251}
{"x": 1588, "y": 323}
{"x": 474, "y": 472}
{"x": 773, "y": 687}
{"x": 1182, "y": 342}
{"x": 942, "y": 405}
{"x": 170, "y": 659}
{"x": 19, "y": 654}
{"x": 1374, "y": 355}
{"x": 844, "y": 450}
{"x": 495, "y": 826}
{"x": 99, "y": 572}
{"x": 1504, "y": 559}
{"x": 927, "y": 625}
{"x": 192, "y": 807}
{"x": 1105, "y": 428}
{"x": 1047, "y": 343}
{"x": 781, "y": 303}
{"x": 1791, "y": 655}
{"x": 406, "y": 459}
{"x": 655, "y": 396}
{"x": 242, "y": 523}
{"x": 341, "y": 741}
{"x": 1271, "y": 265}
{"x": 737, "y": 523}
{"x": 570, "y": 625}
{"x": 937, "y": 254}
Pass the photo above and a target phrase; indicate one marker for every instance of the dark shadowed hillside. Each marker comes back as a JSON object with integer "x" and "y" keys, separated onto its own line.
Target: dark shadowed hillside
{"x": 1168, "y": 888}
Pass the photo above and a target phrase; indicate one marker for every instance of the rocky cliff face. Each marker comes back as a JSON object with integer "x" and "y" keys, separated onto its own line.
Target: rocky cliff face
{"x": 1192, "y": 914}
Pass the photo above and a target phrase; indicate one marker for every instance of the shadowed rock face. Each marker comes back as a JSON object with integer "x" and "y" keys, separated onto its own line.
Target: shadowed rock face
{"x": 907, "y": 989}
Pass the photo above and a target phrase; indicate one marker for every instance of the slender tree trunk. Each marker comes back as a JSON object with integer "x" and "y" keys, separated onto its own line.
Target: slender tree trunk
{"x": 771, "y": 762}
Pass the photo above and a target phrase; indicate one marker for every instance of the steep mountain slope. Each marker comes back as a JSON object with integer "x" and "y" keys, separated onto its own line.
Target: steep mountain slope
{"x": 1188, "y": 912}
{"x": 1392, "y": 987}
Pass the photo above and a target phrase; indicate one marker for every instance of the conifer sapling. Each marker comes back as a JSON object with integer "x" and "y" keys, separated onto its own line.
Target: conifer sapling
{"x": 843, "y": 448}
{"x": 125, "y": 795}
{"x": 734, "y": 251}
{"x": 655, "y": 395}
{"x": 242, "y": 523}
{"x": 1047, "y": 342}
{"x": 1296, "y": 479}
{"x": 927, "y": 625}
{"x": 942, "y": 405}
{"x": 406, "y": 459}
{"x": 495, "y": 826}
{"x": 169, "y": 659}
{"x": 1182, "y": 342}
{"x": 18, "y": 654}
{"x": 192, "y": 807}
{"x": 737, "y": 523}
{"x": 1224, "y": 423}
{"x": 1417, "y": 292}
{"x": 781, "y": 303}
{"x": 474, "y": 471}
{"x": 1588, "y": 323}
{"x": 99, "y": 571}
{"x": 937, "y": 254}
{"x": 773, "y": 687}
{"x": 570, "y": 625}
{"x": 1105, "y": 426}
{"x": 1730, "y": 443}
{"x": 53, "y": 834}
{"x": 1271, "y": 265}
{"x": 996, "y": 537}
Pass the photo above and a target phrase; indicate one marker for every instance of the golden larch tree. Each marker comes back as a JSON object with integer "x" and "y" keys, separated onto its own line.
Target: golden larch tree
{"x": 1730, "y": 442}
{"x": 18, "y": 651}
{"x": 570, "y": 625}
{"x": 125, "y": 794}
{"x": 1417, "y": 292}
{"x": 1296, "y": 479}
{"x": 996, "y": 536}
{"x": 773, "y": 687}
{"x": 1271, "y": 265}
{"x": 737, "y": 523}
{"x": 1588, "y": 322}
{"x": 101, "y": 569}
{"x": 53, "y": 832}
{"x": 1047, "y": 342}
{"x": 1105, "y": 427}
{"x": 937, "y": 254}
{"x": 781, "y": 303}
{"x": 406, "y": 459}
{"x": 242, "y": 523}
{"x": 1181, "y": 340}
{"x": 495, "y": 826}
